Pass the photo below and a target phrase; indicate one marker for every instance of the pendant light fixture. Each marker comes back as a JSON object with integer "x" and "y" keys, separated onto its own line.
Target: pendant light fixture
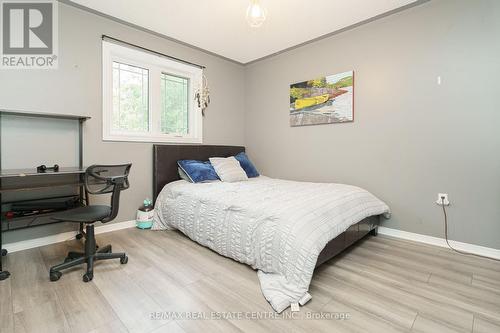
{"x": 256, "y": 14}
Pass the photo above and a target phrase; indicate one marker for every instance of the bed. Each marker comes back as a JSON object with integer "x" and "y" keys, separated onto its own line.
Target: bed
{"x": 263, "y": 222}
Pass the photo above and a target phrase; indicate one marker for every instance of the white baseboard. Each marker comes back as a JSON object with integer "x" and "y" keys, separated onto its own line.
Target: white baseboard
{"x": 466, "y": 247}
{"x": 52, "y": 239}
{"x": 57, "y": 238}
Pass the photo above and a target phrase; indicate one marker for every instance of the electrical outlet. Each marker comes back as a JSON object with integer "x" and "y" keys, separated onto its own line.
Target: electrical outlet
{"x": 443, "y": 199}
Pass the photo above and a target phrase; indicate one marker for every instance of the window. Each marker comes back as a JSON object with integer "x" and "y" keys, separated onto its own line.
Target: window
{"x": 130, "y": 98}
{"x": 174, "y": 104}
{"x": 148, "y": 97}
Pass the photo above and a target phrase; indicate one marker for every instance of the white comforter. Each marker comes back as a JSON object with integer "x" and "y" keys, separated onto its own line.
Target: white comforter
{"x": 276, "y": 226}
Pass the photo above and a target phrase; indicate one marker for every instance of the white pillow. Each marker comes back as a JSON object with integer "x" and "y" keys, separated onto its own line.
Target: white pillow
{"x": 228, "y": 169}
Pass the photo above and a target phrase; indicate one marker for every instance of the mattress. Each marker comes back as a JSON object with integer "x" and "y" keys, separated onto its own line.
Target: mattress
{"x": 276, "y": 226}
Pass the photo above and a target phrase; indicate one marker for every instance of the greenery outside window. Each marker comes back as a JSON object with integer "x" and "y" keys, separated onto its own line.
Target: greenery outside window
{"x": 174, "y": 104}
{"x": 149, "y": 98}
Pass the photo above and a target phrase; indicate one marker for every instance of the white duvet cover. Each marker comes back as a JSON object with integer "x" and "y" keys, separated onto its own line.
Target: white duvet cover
{"x": 278, "y": 227}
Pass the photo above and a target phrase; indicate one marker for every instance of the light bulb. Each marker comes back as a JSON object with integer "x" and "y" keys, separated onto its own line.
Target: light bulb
{"x": 256, "y": 14}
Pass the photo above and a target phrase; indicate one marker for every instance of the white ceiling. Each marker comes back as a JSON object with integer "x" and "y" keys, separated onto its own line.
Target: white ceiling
{"x": 219, "y": 26}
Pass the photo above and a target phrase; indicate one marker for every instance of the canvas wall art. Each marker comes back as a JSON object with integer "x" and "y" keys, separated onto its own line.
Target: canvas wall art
{"x": 325, "y": 100}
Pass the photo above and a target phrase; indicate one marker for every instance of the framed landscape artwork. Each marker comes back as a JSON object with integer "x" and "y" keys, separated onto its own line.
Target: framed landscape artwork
{"x": 325, "y": 100}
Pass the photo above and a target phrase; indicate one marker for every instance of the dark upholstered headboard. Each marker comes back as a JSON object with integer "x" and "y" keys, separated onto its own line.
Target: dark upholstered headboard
{"x": 165, "y": 159}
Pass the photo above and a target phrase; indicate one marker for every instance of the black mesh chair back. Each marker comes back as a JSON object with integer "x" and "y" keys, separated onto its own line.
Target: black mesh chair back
{"x": 98, "y": 178}
{"x": 102, "y": 179}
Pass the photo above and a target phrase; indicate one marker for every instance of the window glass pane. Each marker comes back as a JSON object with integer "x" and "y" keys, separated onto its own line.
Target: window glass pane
{"x": 174, "y": 104}
{"x": 130, "y": 98}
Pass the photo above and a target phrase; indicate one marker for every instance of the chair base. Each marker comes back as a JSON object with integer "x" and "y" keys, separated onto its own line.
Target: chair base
{"x": 89, "y": 257}
{"x": 4, "y": 275}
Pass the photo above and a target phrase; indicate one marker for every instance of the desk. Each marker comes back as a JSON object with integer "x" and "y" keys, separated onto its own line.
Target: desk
{"x": 45, "y": 184}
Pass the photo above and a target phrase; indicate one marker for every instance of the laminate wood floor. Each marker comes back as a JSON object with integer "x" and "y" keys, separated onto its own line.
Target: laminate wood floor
{"x": 171, "y": 284}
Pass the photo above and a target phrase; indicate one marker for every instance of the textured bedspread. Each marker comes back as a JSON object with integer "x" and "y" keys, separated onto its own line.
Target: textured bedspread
{"x": 276, "y": 226}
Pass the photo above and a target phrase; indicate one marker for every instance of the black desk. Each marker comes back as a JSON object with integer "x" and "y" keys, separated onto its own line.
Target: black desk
{"x": 29, "y": 180}
{"x": 47, "y": 183}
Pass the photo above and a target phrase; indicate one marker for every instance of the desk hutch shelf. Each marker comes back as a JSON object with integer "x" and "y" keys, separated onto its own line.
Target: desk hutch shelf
{"x": 23, "y": 180}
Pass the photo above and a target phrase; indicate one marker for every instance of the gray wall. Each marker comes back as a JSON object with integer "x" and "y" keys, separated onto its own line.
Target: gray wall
{"x": 76, "y": 88}
{"x": 411, "y": 138}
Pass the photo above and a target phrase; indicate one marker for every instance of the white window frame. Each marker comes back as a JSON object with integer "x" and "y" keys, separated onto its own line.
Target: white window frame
{"x": 156, "y": 65}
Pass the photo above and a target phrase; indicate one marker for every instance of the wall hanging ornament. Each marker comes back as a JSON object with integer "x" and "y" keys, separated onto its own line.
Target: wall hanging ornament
{"x": 202, "y": 95}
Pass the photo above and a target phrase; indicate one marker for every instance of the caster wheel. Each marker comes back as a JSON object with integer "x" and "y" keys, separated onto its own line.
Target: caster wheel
{"x": 124, "y": 260}
{"x": 110, "y": 250}
{"x": 79, "y": 236}
{"x": 4, "y": 275}
{"x": 87, "y": 277}
{"x": 67, "y": 259}
{"x": 55, "y": 276}
{"x": 4, "y": 252}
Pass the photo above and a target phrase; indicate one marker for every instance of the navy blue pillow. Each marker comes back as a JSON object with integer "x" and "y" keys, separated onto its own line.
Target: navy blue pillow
{"x": 245, "y": 163}
{"x": 198, "y": 171}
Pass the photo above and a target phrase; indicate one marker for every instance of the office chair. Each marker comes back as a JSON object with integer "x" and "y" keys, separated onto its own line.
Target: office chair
{"x": 99, "y": 179}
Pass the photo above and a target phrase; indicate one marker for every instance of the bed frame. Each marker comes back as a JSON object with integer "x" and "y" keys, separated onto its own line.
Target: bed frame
{"x": 165, "y": 159}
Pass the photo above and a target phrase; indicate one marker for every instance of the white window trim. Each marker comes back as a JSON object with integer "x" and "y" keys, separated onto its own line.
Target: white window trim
{"x": 156, "y": 65}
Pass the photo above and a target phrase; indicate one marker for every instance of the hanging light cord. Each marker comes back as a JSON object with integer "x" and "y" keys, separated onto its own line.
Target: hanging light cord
{"x": 446, "y": 236}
